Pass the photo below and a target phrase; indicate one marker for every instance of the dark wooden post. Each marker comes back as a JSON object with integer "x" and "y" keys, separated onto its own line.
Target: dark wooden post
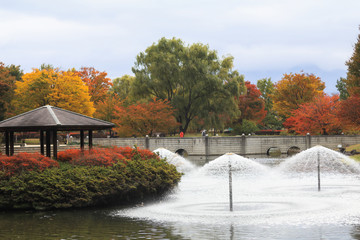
{"x": 7, "y": 143}
{"x": 42, "y": 142}
{"x": 11, "y": 143}
{"x": 82, "y": 140}
{"x": 90, "y": 139}
{"x": 48, "y": 149}
{"x": 54, "y": 137}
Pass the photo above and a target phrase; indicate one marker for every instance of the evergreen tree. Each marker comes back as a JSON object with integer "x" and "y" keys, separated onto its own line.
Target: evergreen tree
{"x": 353, "y": 74}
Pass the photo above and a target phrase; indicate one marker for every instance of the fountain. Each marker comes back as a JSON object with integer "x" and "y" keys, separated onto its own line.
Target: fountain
{"x": 275, "y": 199}
{"x": 320, "y": 157}
{"x": 181, "y": 164}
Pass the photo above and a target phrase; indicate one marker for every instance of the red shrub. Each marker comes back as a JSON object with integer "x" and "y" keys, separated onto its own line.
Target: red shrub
{"x": 129, "y": 153}
{"x": 68, "y": 155}
{"x": 98, "y": 157}
{"x": 25, "y": 162}
{"x": 104, "y": 156}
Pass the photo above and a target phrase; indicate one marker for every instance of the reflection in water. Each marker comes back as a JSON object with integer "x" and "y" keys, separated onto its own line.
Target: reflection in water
{"x": 78, "y": 224}
{"x": 98, "y": 224}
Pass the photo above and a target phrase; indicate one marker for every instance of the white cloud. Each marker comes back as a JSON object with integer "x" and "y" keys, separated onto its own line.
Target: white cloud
{"x": 262, "y": 35}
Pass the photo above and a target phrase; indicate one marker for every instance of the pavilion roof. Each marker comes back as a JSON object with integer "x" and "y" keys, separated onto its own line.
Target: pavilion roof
{"x": 49, "y": 117}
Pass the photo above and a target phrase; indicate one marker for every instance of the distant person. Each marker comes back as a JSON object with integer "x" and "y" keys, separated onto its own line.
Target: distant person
{"x": 181, "y": 134}
{"x": 203, "y": 133}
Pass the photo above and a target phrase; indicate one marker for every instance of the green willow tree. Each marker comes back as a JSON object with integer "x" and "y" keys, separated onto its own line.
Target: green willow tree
{"x": 192, "y": 78}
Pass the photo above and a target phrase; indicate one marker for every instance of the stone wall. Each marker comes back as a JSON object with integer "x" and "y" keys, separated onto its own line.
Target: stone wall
{"x": 204, "y": 149}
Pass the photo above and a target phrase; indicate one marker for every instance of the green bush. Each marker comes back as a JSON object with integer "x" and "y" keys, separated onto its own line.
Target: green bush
{"x": 82, "y": 186}
{"x": 246, "y": 127}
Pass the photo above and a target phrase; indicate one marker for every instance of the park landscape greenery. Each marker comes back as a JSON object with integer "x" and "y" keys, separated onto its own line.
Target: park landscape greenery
{"x": 178, "y": 87}
{"x": 175, "y": 87}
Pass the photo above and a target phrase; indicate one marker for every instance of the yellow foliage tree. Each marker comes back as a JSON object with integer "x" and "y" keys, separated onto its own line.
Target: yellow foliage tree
{"x": 295, "y": 89}
{"x": 62, "y": 89}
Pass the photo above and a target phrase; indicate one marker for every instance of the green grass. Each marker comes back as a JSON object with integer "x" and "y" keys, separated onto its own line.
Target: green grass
{"x": 354, "y": 147}
{"x": 356, "y": 157}
{"x": 32, "y": 141}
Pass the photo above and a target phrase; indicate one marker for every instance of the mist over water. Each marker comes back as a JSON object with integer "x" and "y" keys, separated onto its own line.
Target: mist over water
{"x": 282, "y": 196}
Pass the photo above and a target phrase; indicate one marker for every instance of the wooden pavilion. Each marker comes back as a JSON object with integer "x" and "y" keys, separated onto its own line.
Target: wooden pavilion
{"x": 49, "y": 120}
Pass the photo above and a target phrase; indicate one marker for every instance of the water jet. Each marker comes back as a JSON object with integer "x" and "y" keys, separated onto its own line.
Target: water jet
{"x": 272, "y": 197}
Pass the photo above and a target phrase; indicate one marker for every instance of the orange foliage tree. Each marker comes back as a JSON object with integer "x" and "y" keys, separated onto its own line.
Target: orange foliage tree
{"x": 251, "y": 106}
{"x": 349, "y": 114}
{"x": 105, "y": 108}
{"x": 144, "y": 118}
{"x": 294, "y": 90}
{"x": 316, "y": 117}
{"x": 62, "y": 89}
{"x": 97, "y": 82}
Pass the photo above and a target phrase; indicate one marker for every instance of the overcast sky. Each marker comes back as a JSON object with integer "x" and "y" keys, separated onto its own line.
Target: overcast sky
{"x": 267, "y": 38}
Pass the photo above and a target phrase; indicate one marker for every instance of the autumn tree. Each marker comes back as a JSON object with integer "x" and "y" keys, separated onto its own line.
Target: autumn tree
{"x": 192, "y": 78}
{"x": 349, "y": 114}
{"x": 144, "y": 118}
{"x": 353, "y": 74}
{"x": 294, "y": 90}
{"x": 62, "y": 89}
{"x": 8, "y": 77}
{"x": 97, "y": 82}
{"x": 251, "y": 106}
{"x": 316, "y": 117}
{"x": 106, "y": 107}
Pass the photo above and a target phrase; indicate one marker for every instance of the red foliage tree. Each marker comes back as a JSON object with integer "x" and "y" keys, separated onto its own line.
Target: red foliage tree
{"x": 250, "y": 104}
{"x": 144, "y": 118}
{"x": 97, "y": 82}
{"x": 349, "y": 114}
{"x": 316, "y": 117}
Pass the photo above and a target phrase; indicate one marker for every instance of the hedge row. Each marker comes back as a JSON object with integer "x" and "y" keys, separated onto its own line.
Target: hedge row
{"x": 81, "y": 186}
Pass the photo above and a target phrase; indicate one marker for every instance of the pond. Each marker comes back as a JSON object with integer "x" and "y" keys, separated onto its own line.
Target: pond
{"x": 269, "y": 202}
{"x": 101, "y": 224}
